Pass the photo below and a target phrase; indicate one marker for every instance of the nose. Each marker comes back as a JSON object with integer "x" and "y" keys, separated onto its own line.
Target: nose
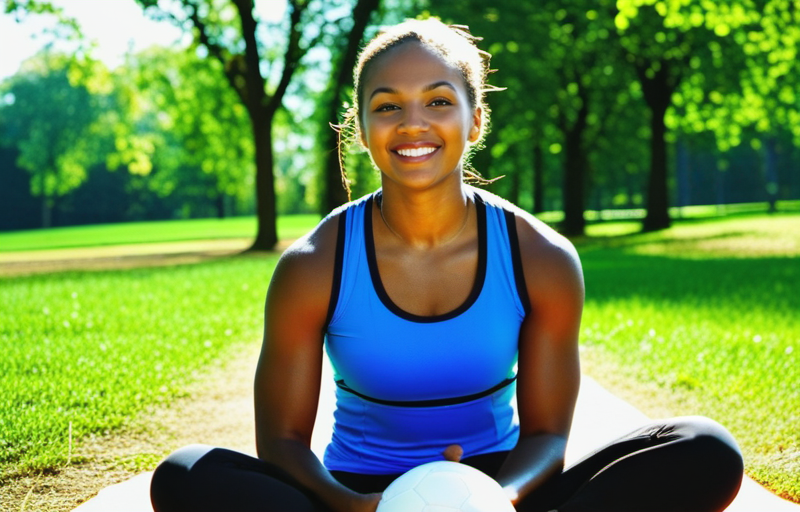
{"x": 413, "y": 121}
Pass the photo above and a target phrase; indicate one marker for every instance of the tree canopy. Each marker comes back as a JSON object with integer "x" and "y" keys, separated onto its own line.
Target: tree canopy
{"x": 607, "y": 104}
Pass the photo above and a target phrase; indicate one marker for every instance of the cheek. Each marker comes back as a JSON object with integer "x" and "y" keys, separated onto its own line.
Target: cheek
{"x": 376, "y": 129}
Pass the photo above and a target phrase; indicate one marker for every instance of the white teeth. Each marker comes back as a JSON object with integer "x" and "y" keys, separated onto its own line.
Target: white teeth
{"x": 416, "y": 151}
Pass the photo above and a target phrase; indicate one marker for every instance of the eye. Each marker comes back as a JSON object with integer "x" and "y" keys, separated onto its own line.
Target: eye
{"x": 386, "y": 107}
{"x": 440, "y": 102}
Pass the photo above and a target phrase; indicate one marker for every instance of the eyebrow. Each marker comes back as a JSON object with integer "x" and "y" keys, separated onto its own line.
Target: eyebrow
{"x": 427, "y": 88}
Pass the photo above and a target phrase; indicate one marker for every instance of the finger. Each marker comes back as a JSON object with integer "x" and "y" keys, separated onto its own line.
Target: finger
{"x": 453, "y": 453}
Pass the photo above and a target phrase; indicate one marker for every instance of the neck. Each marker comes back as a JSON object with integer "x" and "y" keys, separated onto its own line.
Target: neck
{"x": 426, "y": 219}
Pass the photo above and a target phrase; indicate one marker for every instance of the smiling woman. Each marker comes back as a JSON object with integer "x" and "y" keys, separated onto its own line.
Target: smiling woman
{"x": 468, "y": 71}
{"x": 451, "y": 319}
{"x": 417, "y": 131}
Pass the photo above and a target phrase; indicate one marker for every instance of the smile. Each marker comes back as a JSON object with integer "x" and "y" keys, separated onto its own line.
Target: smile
{"x": 414, "y": 152}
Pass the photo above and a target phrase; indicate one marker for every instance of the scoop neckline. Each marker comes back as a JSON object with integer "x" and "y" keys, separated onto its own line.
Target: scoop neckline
{"x": 377, "y": 283}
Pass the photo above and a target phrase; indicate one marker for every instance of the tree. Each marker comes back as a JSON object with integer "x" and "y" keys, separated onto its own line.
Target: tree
{"x": 561, "y": 87}
{"x": 770, "y": 100}
{"x": 54, "y": 121}
{"x": 686, "y": 49}
{"x": 335, "y": 192}
{"x": 186, "y": 124}
{"x": 228, "y": 32}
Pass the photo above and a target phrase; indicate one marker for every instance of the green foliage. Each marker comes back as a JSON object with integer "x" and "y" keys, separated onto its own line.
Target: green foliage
{"x": 566, "y": 92}
{"x": 576, "y": 76}
{"x": 54, "y": 121}
{"x": 184, "y": 120}
{"x": 736, "y": 62}
{"x": 702, "y": 314}
{"x": 84, "y": 352}
{"x": 726, "y": 69}
{"x": 20, "y": 9}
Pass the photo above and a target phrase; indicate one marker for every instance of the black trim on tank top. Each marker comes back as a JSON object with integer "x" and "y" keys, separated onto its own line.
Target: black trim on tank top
{"x": 516, "y": 260}
{"x": 338, "y": 263}
{"x": 436, "y": 402}
{"x": 477, "y": 285}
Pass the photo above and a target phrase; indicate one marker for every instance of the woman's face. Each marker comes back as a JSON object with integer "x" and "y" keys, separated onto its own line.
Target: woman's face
{"x": 416, "y": 116}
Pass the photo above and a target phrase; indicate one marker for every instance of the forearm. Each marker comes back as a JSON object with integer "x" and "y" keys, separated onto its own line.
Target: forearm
{"x": 299, "y": 461}
{"x": 532, "y": 462}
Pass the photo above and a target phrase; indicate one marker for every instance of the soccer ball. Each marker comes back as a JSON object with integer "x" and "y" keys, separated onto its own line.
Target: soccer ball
{"x": 444, "y": 486}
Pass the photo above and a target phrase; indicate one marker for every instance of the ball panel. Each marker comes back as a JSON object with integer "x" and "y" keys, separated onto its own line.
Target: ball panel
{"x": 444, "y": 486}
{"x": 404, "y": 501}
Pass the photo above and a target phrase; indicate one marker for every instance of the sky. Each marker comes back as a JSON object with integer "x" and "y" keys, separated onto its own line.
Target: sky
{"x": 115, "y": 25}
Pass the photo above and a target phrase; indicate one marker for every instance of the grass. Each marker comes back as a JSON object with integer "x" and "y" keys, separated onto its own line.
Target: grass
{"x": 703, "y": 316}
{"x": 85, "y": 351}
{"x": 289, "y": 227}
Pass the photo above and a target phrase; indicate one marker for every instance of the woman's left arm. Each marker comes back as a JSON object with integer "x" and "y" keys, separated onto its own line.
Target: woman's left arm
{"x": 549, "y": 369}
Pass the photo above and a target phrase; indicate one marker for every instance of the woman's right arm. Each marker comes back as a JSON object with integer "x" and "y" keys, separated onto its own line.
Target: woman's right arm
{"x": 287, "y": 382}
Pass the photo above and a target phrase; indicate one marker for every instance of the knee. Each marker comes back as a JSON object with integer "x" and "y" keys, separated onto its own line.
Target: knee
{"x": 171, "y": 479}
{"x": 715, "y": 453}
{"x": 712, "y": 439}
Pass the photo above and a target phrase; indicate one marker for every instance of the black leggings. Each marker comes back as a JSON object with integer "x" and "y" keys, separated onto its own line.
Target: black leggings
{"x": 688, "y": 464}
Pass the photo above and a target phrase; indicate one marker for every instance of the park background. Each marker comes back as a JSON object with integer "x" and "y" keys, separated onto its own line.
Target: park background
{"x": 662, "y": 137}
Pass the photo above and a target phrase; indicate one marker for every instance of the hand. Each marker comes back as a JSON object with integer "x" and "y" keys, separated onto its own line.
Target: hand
{"x": 453, "y": 453}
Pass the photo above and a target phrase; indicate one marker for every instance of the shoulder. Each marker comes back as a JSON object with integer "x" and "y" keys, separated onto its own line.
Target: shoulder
{"x": 315, "y": 248}
{"x": 543, "y": 244}
{"x": 303, "y": 277}
{"x": 305, "y": 271}
{"x": 536, "y": 238}
{"x": 550, "y": 261}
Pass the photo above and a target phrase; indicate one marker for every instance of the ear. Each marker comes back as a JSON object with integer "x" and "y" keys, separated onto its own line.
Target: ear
{"x": 475, "y": 131}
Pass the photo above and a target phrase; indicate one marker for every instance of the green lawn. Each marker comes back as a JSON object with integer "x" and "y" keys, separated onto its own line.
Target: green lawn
{"x": 289, "y": 227}
{"x": 88, "y": 350}
{"x": 706, "y": 317}
{"x": 703, "y": 315}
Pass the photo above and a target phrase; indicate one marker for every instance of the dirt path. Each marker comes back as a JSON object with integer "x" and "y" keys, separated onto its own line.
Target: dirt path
{"x": 218, "y": 410}
{"x": 120, "y": 256}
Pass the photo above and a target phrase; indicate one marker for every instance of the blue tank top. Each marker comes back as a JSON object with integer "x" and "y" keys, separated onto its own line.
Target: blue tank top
{"x": 408, "y": 386}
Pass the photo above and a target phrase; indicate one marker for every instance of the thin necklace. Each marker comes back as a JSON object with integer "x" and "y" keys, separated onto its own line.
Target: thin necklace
{"x": 398, "y": 235}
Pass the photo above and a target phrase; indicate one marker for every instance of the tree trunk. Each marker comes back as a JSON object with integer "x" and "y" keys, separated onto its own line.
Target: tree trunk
{"x": 771, "y": 172}
{"x": 657, "y": 90}
{"x": 575, "y": 160}
{"x": 513, "y": 190}
{"x": 47, "y": 206}
{"x": 538, "y": 177}
{"x": 47, "y": 212}
{"x": 574, "y": 221}
{"x": 657, "y": 186}
{"x": 684, "y": 181}
{"x": 220, "y": 205}
{"x": 335, "y": 191}
{"x": 267, "y": 233}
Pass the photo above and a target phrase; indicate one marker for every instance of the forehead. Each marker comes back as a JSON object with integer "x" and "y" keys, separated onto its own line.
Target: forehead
{"x": 410, "y": 66}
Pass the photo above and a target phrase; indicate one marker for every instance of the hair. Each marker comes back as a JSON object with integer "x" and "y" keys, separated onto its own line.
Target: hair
{"x": 455, "y": 45}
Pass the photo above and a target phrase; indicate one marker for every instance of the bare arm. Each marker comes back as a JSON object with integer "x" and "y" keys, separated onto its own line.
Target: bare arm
{"x": 288, "y": 376}
{"x": 549, "y": 369}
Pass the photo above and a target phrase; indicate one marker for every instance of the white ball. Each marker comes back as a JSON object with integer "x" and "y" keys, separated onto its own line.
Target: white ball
{"x": 444, "y": 486}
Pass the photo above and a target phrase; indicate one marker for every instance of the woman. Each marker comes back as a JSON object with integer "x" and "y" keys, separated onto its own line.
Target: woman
{"x": 451, "y": 318}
